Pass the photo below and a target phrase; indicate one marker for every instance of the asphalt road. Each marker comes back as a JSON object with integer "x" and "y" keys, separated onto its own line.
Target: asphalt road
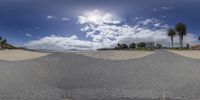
{"x": 67, "y": 76}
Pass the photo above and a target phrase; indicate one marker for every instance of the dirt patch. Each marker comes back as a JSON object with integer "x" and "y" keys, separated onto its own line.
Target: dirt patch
{"x": 18, "y": 55}
{"x": 117, "y": 55}
{"x": 195, "y": 54}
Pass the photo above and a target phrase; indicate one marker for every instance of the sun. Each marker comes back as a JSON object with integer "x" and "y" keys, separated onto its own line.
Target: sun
{"x": 98, "y": 17}
{"x": 95, "y": 17}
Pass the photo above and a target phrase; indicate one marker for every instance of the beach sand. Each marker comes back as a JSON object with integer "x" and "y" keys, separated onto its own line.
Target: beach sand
{"x": 117, "y": 55}
{"x": 18, "y": 55}
{"x": 195, "y": 54}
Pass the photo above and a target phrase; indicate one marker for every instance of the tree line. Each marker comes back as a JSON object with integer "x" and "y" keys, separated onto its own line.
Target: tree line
{"x": 141, "y": 45}
{"x": 4, "y": 44}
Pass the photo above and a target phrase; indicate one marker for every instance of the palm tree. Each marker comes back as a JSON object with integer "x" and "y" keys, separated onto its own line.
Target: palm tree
{"x": 0, "y": 39}
{"x": 171, "y": 33}
{"x": 3, "y": 43}
{"x": 182, "y": 31}
{"x": 118, "y": 46}
{"x": 0, "y": 42}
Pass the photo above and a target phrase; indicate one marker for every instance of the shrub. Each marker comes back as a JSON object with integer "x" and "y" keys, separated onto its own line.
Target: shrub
{"x": 141, "y": 45}
{"x": 132, "y": 46}
{"x": 124, "y": 46}
{"x": 158, "y": 46}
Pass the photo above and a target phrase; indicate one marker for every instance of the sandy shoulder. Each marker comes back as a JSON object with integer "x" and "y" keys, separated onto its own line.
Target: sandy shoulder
{"x": 18, "y": 55}
{"x": 195, "y": 54}
{"x": 117, "y": 55}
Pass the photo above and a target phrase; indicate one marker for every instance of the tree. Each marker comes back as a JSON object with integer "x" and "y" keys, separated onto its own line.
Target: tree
{"x": 118, "y": 46}
{"x": 132, "y": 45}
{"x": 124, "y": 46}
{"x": 158, "y": 46}
{"x": 3, "y": 43}
{"x": 171, "y": 33}
{"x": 1, "y": 39}
{"x": 182, "y": 31}
{"x": 187, "y": 46}
{"x": 0, "y": 42}
{"x": 199, "y": 38}
{"x": 141, "y": 45}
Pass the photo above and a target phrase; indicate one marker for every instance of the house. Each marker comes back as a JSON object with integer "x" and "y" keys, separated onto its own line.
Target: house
{"x": 196, "y": 47}
{"x": 149, "y": 45}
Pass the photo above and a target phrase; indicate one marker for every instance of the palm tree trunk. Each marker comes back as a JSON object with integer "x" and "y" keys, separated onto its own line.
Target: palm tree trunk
{"x": 181, "y": 41}
{"x": 172, "y": 40}
{"x": 1, "y": 46}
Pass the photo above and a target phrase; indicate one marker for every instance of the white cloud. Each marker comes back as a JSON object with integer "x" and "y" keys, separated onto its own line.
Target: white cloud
{"x": 105, "y": 32}
{"x": 136, "y": 19}
{"x": 97, "y": 17}
{"x": 163, "y": 16}
{"x": 37, "y": 28}
{"x": 150, "y": 21}
{"x": 162, "y": 8}
{"x": 50, "y": 17}
{"x": 61, "y": 43}
{"x": 149, "y": 30}
{"x": 28, "y": 34}
{"x": 153, "y": 23}
{"x": 155, "y": 9}
{"x": 65, "y": 19}
{"x": 166, "y": 8}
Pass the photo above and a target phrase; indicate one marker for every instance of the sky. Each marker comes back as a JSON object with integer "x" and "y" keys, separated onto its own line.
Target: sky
{"x": 92, "y": 24}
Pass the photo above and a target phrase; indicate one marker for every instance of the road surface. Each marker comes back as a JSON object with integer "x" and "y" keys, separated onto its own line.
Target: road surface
{"x": 68, "y": 76}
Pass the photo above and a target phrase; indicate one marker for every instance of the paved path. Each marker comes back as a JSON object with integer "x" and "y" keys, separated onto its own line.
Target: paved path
{"x": 67, "y": 76}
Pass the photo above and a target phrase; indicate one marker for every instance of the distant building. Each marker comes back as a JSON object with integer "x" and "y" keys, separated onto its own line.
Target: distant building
{"x": 197, "y": 47}
{"x": 150, "y": 45}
